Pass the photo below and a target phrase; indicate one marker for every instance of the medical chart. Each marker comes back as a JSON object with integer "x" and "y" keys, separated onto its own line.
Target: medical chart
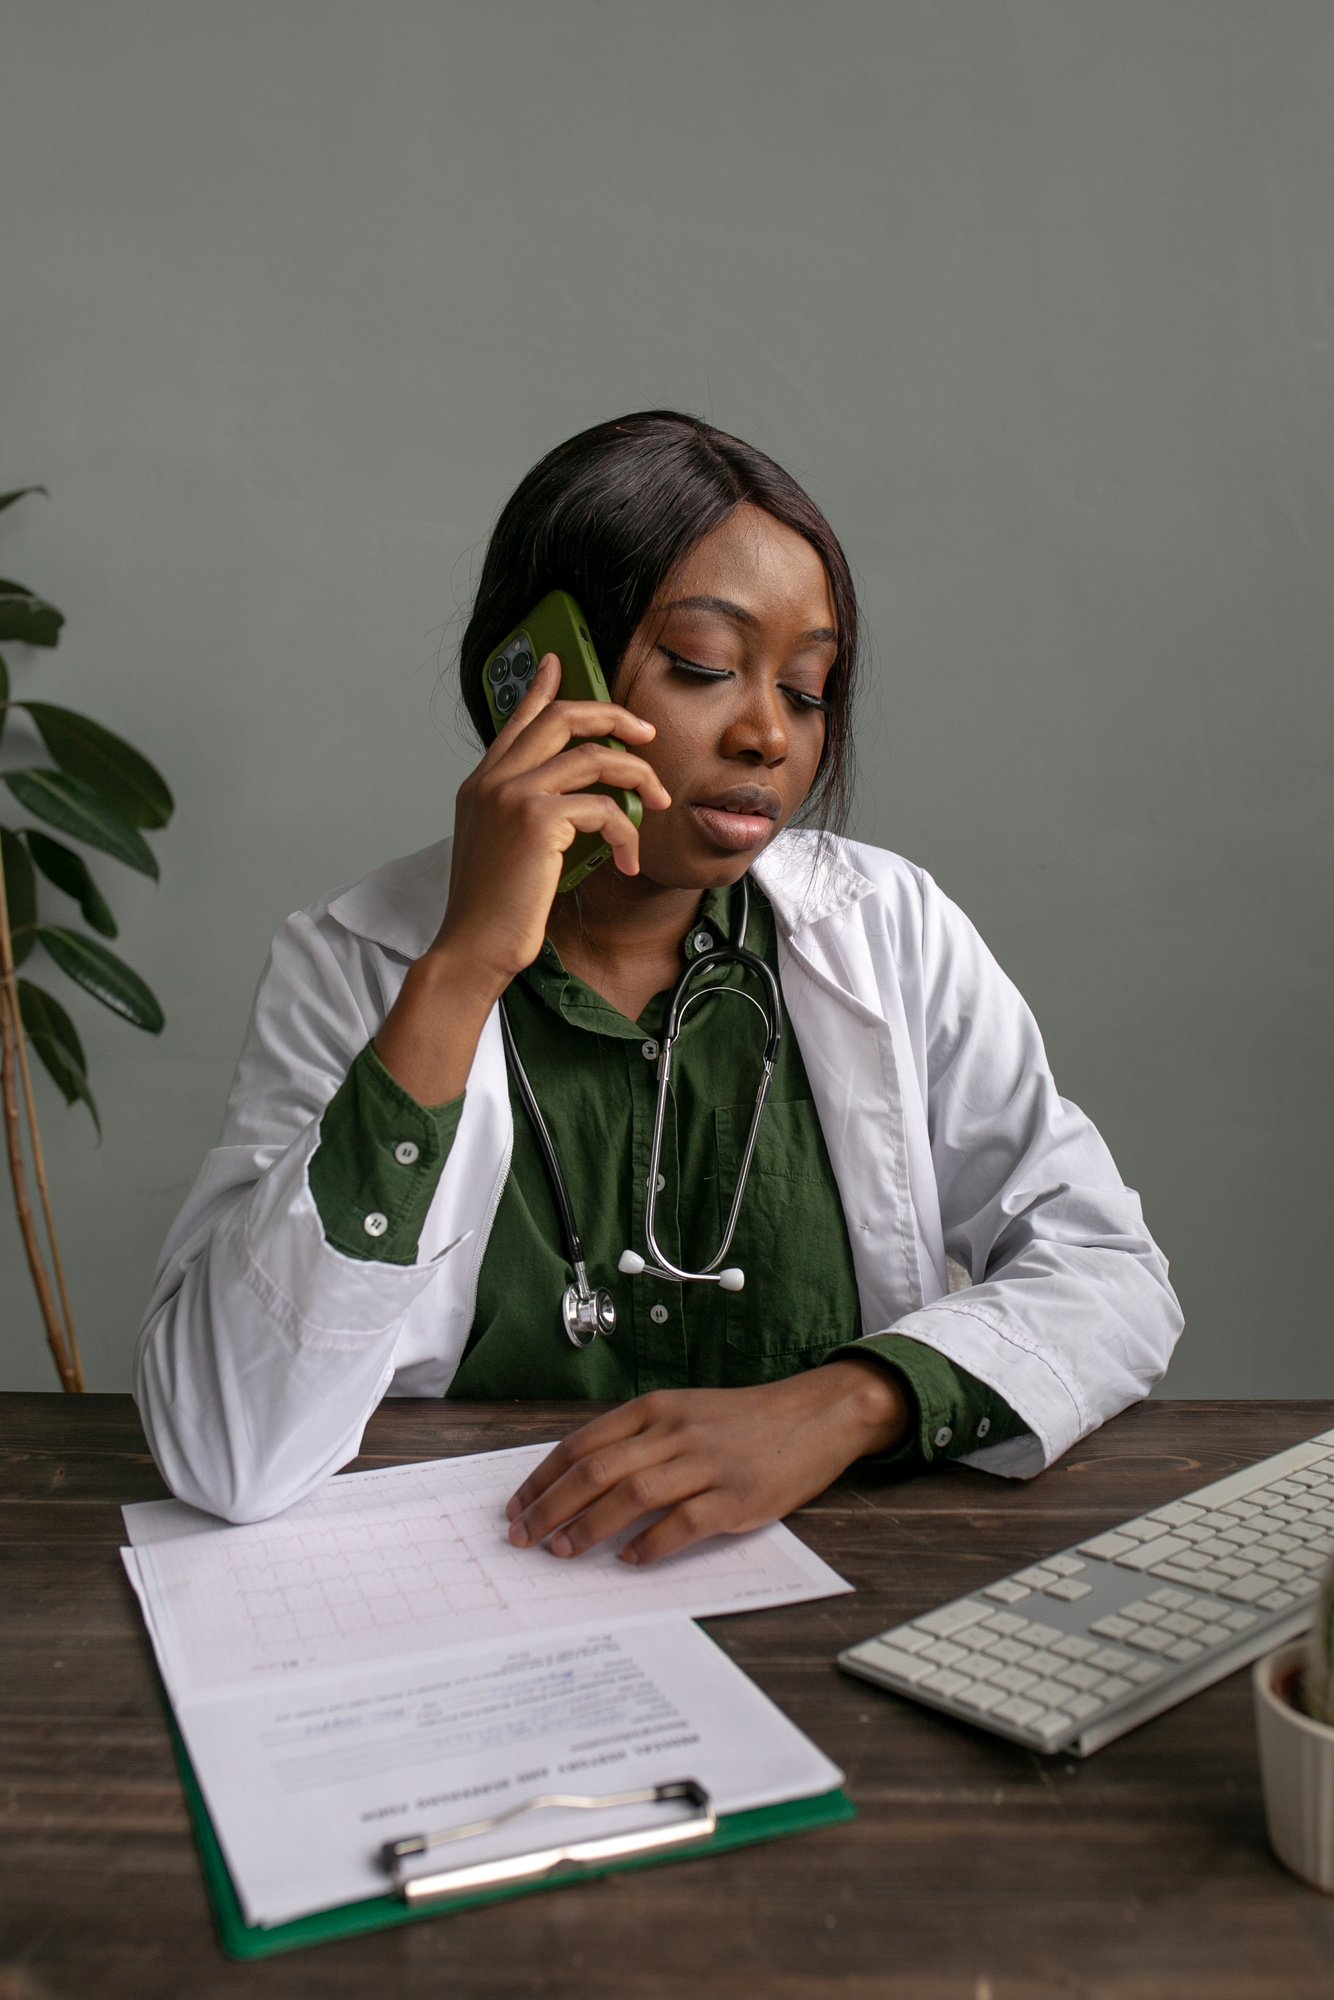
{"x": 307, "y": 1779}
{"x": 381, "y": 1565}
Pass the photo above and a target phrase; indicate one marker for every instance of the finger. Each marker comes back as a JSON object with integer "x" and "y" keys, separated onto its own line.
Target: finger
{"x": 696, "y": 1519}
{"x": 591, "y": 812}
{"x": 585, "y": 764}
{"x": 646, "y": 1491}
{"x": 627, "y": 1420}
{"x": 576, "y": 1473}
{"x": 543, "y": 691}
{"x": 538, "y": 731}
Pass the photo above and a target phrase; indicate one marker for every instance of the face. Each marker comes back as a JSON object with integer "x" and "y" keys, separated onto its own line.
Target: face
{"x": 730, "y": 666}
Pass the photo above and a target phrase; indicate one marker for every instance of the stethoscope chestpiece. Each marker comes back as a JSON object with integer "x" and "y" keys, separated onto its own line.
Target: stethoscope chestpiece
{"x": 587, "y": 1315}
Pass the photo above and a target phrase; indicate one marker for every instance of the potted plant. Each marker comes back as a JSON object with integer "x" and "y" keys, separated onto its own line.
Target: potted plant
{"x": 98, "y": 790}
{"x": 1294, "y": 1709}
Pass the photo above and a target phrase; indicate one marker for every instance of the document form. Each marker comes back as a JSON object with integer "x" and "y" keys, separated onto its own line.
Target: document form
{"x": 414, "y": 1559}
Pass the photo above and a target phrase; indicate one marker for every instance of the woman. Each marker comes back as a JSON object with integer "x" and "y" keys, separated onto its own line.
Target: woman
{"x": 379, "y": 1218}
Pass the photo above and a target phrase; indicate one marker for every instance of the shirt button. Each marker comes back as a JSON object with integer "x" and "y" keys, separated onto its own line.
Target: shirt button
{"x": 703, "y": 940}
{"x": 984, "y": 1427}
{"x": 649, "y": 1051}
{"x": 375, "y": 1224}
{"x": 660, "y": 1183}
{"x": 407, "y": 1152}
{"x": 657, "y": 1314}
{"x": 942, "y": 1437}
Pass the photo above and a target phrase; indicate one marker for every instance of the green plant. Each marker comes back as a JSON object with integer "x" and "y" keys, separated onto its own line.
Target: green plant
{"x": 1317, "y": 1681}
{"x": 99, "y": 791}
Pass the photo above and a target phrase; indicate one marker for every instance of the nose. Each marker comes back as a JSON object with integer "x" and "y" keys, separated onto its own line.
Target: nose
{"x": 759, "y": 728}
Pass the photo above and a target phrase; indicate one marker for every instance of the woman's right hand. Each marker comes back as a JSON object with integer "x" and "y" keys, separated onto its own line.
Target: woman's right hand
{"x": 519, "y": 811}
{"x": 515, "y": 817}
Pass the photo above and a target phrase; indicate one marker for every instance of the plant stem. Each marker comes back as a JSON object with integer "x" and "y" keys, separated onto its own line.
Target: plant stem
{"x": 13, "y": 1049}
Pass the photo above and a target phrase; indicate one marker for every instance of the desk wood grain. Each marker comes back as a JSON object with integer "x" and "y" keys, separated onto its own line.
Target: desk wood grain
{"x": 975, "y": 1870}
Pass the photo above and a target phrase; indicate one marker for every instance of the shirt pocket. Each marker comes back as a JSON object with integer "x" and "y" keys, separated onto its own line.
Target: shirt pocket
{"x": 800, "y": 1296}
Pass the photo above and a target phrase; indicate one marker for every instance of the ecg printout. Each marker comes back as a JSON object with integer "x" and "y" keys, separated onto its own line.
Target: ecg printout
{"x": 414, "y": 1558}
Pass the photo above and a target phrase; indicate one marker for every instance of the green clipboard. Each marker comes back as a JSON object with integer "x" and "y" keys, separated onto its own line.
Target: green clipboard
{"x": 242, "y": 1940}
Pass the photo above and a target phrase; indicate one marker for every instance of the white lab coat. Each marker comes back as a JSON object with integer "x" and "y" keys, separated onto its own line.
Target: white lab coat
{"x": 265, "y": 1350}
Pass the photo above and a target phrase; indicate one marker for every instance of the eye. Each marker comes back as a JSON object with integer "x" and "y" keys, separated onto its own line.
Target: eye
{"x": 809, "y": 703}
{"x": 693, "y": 669}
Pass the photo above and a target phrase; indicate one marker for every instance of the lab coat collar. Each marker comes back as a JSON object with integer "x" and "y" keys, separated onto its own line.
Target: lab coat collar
{"x": 808, "y": 878}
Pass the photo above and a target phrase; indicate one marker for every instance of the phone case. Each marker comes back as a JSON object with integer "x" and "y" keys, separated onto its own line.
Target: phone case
{"x": 556, "y": 625}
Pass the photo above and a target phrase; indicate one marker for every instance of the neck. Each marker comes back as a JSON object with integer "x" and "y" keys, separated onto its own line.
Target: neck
{"x": 616, "y": 917}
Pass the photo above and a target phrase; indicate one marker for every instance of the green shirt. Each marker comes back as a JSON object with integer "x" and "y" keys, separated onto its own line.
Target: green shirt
{"x": 594, "y": 1073}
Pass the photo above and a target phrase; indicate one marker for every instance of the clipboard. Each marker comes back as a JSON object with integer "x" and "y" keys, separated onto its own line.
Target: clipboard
{"x": 241, "y": 1940}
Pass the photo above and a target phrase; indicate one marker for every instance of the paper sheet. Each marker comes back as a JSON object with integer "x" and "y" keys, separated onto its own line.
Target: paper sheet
{"x": 305, "y": 1781}
{"x": 412, "y": 1559}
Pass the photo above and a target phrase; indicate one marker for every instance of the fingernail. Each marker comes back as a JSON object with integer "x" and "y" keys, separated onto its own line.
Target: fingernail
{"x": 561, "y": 1545}
{"x": 519, "y": 1535}
{"x": 629, "y": 1555}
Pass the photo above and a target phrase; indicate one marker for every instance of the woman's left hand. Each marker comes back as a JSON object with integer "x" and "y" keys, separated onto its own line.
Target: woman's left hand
{"x": 707, "y": 1461}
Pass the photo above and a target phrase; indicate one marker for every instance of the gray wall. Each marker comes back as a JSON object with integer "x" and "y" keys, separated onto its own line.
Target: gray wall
{"x": 1035, "y": 297}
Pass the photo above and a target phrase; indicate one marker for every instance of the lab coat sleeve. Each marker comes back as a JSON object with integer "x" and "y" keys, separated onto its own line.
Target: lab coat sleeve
{"x": 1070, "y": 1316}
{"x": 265, "y": 1349}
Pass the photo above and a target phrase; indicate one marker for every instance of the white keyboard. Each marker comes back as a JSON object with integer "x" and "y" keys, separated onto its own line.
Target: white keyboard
{"x": 1073, "y": 1651}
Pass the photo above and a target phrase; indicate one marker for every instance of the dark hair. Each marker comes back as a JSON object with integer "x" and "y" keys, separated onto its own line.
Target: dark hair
{"x": 608, "y": 516}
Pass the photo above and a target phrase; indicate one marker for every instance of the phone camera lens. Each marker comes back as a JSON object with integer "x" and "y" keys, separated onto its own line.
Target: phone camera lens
{"x": 497, "y": 670}
{"x": 506, "y": 697}
{"x": 523, "y": 666}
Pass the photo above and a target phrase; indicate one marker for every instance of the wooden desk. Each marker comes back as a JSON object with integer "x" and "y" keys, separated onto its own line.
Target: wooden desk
{"x": 976, "y": 1870}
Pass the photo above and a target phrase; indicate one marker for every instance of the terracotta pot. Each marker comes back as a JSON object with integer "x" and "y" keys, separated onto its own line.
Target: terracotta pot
{"x": 1297, "y": 1765}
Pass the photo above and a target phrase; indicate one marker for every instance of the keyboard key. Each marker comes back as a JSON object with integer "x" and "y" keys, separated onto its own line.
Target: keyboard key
{"x": 908, "y": 1640}
{"x": 951, "y": 1618}
{"x": 1038, "y": 1576}
{"x": 1185, "y": 1649}
{"x": 1212, "y": 1635}
{"x": 1082, "y": 1706}
{"x": 1150, "y": 1640}
{"x": 1051, "y": 1727}
{"x": 1143, "y": 1672}
{"x": 1170, "y": 1600}
{"x": 1180, "y": 1625}
{"x": 1018, "y": 1711}
{"x": 1109, "y": 1628}
{"x": 1004, "y": 1622}
{"x": 1050, "y": 1693}
{"x": 1010, "y": 1650}
{"x": 1111, "y": 1659}
{"x": 1149, "y": 1554}
{"x": 1041, "y": 1635}
{"x": 1042, "y": 1661}
{"x": 1081, "y": 1677}
{"x": 1074, "y": 1648}
{"x": 972, "y": 1639}
{"x": 1064, "y": 1565}
{"x": 946, "y": 1682}
{"x": 1069, "y": 1589}
{"x": 1239, "y": 1620}
{"x": 908, "y": 1666}
{"x": 1179, "y": 1511}
{"x": 945, "y": 1653}
{"x": 1115, "y": 1686}
{"x": 982, "y": 1697}
{"x": 1277, "y": 1600}
{"x": 1108, "y": 1547}
{"x": 1013, "y": 1680}
{"x": 1280, "y": 1572}
{"x": 1244, "y": 1589}
{"x": 1007, "y": 1592}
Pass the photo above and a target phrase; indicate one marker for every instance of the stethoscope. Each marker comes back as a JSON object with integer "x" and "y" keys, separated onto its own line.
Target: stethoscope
{"x": 586, "y": 1311}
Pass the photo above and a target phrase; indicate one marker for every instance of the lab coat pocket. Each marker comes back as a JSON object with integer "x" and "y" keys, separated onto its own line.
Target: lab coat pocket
{"x": 800, "y": 1295}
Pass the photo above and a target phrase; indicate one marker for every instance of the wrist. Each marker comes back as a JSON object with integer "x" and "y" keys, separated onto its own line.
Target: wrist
{"x": 878, "y": 1409}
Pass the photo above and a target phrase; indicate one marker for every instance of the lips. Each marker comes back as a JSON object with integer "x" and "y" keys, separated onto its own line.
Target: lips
{"x": 740, "y": 819}
{"x": 755, "y": 801}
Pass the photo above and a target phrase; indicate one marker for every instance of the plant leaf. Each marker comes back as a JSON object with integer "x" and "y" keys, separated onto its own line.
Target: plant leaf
{"x": 29, "y": 619}
{"x": 125, "y": 779}
{"x": 78, "y": 810}
{"x": 69, "y": 872}
{"x": 56, "y": 1040}
{"x": 105, "y": 976}
{"x": 8, "y": 499}
{"x": 20, "y": 893}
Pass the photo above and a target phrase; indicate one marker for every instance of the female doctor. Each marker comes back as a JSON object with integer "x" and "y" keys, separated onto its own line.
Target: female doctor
{"x": 380, "y": 1216}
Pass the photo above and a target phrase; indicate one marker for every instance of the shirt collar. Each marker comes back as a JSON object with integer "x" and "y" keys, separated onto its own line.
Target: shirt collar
{"x": 807, "y": 876}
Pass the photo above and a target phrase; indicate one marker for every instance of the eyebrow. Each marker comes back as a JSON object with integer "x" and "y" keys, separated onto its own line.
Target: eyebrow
{"x": 818, "y": 635}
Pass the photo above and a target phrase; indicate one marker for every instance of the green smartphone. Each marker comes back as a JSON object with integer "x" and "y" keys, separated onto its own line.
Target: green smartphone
{"x": 557, "y": 625}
